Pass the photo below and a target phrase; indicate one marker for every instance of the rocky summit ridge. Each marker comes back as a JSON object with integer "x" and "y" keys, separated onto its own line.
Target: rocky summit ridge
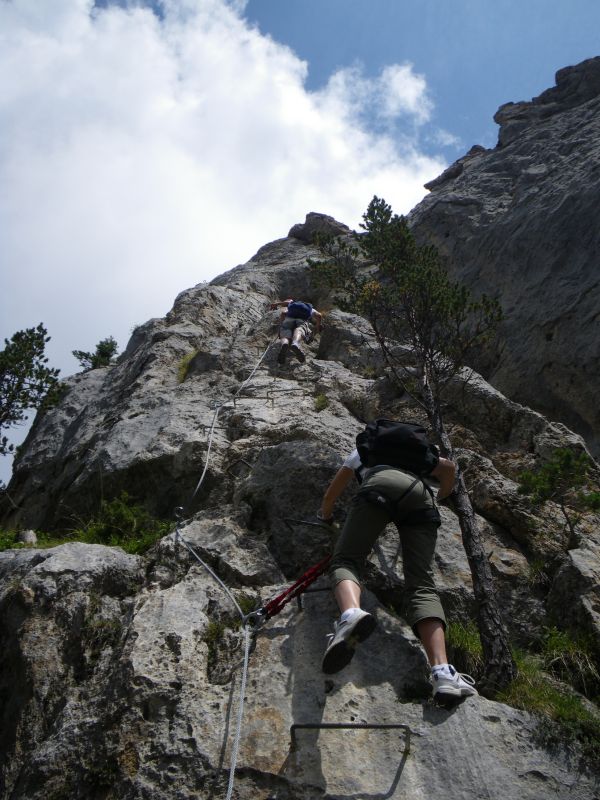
{"x": 521, "y": 222}
{"x": 120, "y": 674}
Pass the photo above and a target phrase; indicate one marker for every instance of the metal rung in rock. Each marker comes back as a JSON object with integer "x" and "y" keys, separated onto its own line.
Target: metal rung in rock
{"x": 351, "y": 726}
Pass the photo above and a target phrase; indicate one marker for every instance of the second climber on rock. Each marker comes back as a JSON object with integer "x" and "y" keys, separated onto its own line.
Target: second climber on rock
{"x": 295, "y": 326}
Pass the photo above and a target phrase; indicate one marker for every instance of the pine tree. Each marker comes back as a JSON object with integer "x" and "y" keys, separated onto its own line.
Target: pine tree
{"x": 406, "y": 294}
{"x": 562, "y": 479}
{"x": 25, "y": 380}
{"x": 103, "y": 356}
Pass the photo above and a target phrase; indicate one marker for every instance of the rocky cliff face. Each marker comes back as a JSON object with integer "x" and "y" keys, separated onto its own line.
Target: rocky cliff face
{"x": 522, "y": 222}
{"x": 120, "y": 674}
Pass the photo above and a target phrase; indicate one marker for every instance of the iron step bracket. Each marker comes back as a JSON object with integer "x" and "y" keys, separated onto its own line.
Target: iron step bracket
{"x": 351, "y": 726}
{"x": 308, "y": 522}
{"x": 236, "y": 462}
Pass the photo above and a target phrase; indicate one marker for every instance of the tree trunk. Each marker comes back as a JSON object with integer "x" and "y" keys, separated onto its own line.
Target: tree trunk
{"x": 499, "y": 666}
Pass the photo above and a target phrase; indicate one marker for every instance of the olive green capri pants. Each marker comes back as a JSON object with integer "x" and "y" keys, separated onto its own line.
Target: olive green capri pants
{"x": 364, "y": 524}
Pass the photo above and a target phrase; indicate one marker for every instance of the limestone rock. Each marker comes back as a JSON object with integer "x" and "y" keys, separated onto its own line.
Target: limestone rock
{"x": 520, "y": 223}
{"x": 318, "y": 224}
{"x": 120, "y": 675}
{"x": 28, "y": 538}
{"x": 135, "y": 695}
{"x": 124, "y": 672}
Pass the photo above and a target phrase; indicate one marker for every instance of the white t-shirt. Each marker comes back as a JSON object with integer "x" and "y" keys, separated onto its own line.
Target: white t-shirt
{"x": 353, "y": 462}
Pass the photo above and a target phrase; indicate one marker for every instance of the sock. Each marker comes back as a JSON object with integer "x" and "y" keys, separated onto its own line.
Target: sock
{"x": 441, "y": 668}
{"x": 350, "y": 612}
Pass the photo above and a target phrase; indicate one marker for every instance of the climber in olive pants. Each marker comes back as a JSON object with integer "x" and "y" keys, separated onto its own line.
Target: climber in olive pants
{"x": 391, "y": 494}
{"x": 366, "y": 522}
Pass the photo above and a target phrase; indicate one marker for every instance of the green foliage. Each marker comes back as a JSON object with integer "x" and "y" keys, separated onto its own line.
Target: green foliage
{"x": 565, "y": 719}
{"x": 44, "y": 540}
{"x": 7, "y": 540}
{"x": 572, "y": 658}
{"x": 592, "y": 500}
{"x": 321, "y": 402}
{"x": 118, "y": 523}
{"x": 184, "y": 365}
{"x": 369, "y": 371}
{"x": 123, "y": 523}
{"x": 25, "y": 380}
{"x": 407, "y": 295}
{"x": 560, "y": 475}
{"x": 464, "y": 647}
{"x": 542, "y": 686}
{"x": 562, "y": 479}
{"x": 247, "y": 603}
{"x": 99, "y": 633}
{"x": 538, "y": 573}
{"x": 216, "y": 629}
{"x": 212, "y": 636}
{"x": 103, "y": 356}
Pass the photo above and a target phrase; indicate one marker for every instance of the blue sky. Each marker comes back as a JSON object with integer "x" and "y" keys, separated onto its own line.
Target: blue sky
{"x": 148, "y": 146}
{"x": 475, "y": 54}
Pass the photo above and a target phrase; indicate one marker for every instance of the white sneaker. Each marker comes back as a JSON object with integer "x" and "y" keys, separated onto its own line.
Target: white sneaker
{"x": 343, "y": 641}
{"x": 448, "y": 684}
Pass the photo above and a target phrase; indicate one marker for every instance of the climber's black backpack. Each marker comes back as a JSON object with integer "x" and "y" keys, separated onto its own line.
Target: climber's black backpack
{"x": 398, "y": 444}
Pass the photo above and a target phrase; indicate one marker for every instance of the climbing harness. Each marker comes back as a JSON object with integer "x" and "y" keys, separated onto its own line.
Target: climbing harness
{"x": 393, "y": 507}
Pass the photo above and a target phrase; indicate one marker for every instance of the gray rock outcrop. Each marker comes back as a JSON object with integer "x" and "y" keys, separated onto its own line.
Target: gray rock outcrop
{"x": 521, "y": 222}
{"x": 120, "y": 674}
{"x": 123, "y": 672}
{"x": 121, "y": 687}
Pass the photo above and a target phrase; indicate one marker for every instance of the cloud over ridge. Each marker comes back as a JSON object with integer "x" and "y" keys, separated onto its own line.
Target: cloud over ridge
{"x": 140, "y": 154}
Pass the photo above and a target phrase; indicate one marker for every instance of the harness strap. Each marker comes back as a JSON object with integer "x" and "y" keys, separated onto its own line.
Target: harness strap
{"x": 392, "y": 507}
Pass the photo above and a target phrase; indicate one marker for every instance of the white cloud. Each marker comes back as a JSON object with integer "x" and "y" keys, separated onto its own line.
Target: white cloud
{"x": 398, "y": 94}
{"x": 404, "y": 92}
{"x": 141, "y": 155}
{"x": 444, "y": 138}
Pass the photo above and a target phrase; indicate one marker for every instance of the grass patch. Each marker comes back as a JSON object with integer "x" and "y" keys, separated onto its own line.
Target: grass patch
{"x": 566, "y": 719}
{"x": 44, "y": 540}
{"x": 544, "y": 686}
{"x": 572, "y": 659}
{"x": 538, "y": 574}
{"x": 123, "y": 523}
{"x": 246, "y": 602}
{"x": 321, "y": 402}
{"x": 184, "y": 365}
{"x": 7, "y": 540}
{"x": 99, "y": 633}
{"x": 118, "y": 523}
{"x": 464, "y": 648}
{"x": 369, "y": 372}
{"x": 215, "y": 630}
{"x": 212, "y": 636}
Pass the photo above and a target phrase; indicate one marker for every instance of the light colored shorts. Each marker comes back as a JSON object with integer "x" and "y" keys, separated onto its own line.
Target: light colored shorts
{"x": 289, "y": 325}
